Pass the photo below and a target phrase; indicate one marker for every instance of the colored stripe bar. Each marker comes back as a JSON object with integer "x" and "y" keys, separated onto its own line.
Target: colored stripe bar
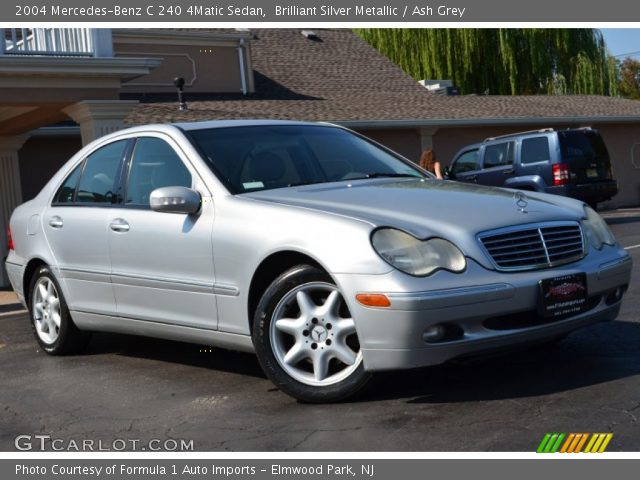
{"x": 590, "y": 444}
{"x": 567, "y": 443}
{"x": 551, "y": 443}
{"x": 543, "y": 443}
{"x": 605, "y": 443}
{"x": 556, "y": 446}
{"x": 581, "y": 443}
{"x": 596, "y": 446}
{"x": 573, "y": 445}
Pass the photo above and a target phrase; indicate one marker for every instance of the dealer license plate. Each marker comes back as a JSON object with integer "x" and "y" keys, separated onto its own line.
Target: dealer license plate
{"x": 592, "y": 173}
{"x": 563, "y": 296}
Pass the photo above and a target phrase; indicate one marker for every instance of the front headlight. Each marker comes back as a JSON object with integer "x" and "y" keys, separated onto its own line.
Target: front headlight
{"x": 597, "y": 230}
{"x": 417, "y": 257}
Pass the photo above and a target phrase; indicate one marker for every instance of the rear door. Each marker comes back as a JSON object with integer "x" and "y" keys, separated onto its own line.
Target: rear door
{"x": 497, "y": 164}
{"x": 535, "y": 159}
{"x": 76, "y": 228}
{"x": 586, "y": 155}
{"x": 466, "y": 167}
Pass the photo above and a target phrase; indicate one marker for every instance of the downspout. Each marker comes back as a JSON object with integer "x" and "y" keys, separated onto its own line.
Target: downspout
{"x": 243, "y": 77}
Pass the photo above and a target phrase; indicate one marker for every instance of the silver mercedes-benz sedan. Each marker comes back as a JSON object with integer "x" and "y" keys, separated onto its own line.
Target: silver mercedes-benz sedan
{"x": 326, "y": 254}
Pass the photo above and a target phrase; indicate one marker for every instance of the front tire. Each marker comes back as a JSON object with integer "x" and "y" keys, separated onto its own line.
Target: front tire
{"x": 306, "y": 339}
{"x": 50, "y": 319}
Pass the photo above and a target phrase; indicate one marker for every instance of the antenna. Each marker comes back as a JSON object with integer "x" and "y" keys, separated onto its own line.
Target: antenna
{"x": 179, "y": 83}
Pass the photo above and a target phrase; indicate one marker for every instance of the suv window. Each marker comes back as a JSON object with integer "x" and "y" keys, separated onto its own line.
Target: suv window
{"x": 498, "y": 155}
{"x": 582, "y": 144}
{"x": 67, "y": 191}
{"x": 98, "y": 180}
{"x": 466, "y": 162}
{"x": 154, "y": 164}
{"x": 535, "y": 149}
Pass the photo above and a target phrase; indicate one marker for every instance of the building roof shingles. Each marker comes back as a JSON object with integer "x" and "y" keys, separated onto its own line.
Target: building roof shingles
{"x": 342, "y": 78}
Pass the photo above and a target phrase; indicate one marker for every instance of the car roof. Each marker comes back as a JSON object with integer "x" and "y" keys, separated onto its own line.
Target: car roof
{"x": 207, "y": 124}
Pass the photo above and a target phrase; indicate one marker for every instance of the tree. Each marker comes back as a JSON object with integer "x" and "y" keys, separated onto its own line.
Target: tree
{"x": 629, "y": 78}
{"x": 503, "y": 61}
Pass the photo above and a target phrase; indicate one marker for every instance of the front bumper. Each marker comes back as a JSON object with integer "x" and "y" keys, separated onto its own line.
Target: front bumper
{"x": 488, "y": 310}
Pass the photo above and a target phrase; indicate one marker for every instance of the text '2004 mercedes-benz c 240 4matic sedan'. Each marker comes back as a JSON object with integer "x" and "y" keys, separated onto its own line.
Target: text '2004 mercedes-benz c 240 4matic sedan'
{"x": 326, "y": 254}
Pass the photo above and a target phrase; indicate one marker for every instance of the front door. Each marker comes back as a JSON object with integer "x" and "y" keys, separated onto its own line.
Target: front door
{"x": 162, "y": 263}
{"x": 466, "y": 167}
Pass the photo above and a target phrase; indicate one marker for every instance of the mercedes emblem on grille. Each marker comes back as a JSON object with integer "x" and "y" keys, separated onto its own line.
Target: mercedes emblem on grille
{"x": 520, "y": 200}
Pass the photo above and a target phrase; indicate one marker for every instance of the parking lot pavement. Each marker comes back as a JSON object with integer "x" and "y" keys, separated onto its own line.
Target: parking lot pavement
{"x": 139, "y": 389}
{"x": 9, "y": 303}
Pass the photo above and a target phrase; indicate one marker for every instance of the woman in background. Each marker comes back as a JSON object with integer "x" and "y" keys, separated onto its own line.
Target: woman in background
{"x": 429, "y": 162}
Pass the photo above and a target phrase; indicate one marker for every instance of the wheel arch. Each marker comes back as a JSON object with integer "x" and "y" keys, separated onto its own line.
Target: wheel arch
{"x": 29, "y": 270}
{"x": 269, "y": 269}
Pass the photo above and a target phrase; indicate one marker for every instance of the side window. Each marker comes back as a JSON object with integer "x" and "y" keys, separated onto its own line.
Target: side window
{"x": 67, "y": 191}
{"x": 498, "y": 155}
{"x": 98, "y": 180}
{"x": 467, "y": 162}
{"x": 535, "y": 149}
{"x": 154, "y": 165}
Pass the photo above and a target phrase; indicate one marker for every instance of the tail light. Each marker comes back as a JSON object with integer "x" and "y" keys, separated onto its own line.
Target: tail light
{"x": 10, "y": 239}
{"x": 560, "y": 173}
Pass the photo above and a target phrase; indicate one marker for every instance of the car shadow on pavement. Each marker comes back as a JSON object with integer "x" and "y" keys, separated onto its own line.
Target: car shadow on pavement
{"x": 591, "y": 356}
{"x": 599, "y": 354}
{"x": 174, "y": 352}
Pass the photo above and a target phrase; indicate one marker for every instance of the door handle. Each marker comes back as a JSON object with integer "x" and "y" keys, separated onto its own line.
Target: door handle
{"x": 56, "y": 222}
{"x": 472, "y": 178}
{"x": 119, "y": 225}
{"x": 507, "y": 172}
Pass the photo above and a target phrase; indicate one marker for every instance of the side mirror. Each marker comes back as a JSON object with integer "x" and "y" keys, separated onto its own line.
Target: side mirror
{"x": 175, "y": 200}
{"x": 446, "y": 173}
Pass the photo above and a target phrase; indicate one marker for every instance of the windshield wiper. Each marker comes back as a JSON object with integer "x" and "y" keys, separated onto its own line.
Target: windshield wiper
{"x": 300, "y": 184}
{"x": 390, "y": 175}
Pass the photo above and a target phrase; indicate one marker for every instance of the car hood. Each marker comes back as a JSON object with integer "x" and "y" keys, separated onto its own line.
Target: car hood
{"x": 426, "y": 208}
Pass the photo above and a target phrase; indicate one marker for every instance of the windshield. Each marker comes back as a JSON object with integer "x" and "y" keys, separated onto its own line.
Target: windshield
{"x": 265, "y": 157}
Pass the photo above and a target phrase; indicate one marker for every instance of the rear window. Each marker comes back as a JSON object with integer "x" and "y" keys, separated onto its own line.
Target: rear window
{"x": 582, "y": 144}
{"x": 534, "y": 150}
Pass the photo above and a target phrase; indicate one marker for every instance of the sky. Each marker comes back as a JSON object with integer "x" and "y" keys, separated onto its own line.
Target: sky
{"x": 622, "y": 41}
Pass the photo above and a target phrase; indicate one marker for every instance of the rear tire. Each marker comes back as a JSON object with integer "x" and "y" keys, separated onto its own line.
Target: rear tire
{"x": 306, "y": 340}
{"x": 50, "y": 319}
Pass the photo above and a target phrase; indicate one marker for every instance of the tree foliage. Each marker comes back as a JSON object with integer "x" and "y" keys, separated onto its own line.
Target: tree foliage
{"x": 629, "y": 78}
{"x": 503, "y": 61}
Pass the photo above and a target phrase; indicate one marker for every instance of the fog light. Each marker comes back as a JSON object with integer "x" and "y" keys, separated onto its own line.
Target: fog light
{"x": 434, "y": 333}
{"x": 614, "y": 296}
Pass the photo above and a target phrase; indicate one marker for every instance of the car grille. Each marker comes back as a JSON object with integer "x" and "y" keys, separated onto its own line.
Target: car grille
{"x": 534, "y": 246}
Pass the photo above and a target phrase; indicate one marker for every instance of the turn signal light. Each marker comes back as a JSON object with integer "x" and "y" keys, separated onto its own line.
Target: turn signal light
{"x": 10, "y": 239}
{"x": 373, "y": 300}
{"x": 560, "y": 173}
